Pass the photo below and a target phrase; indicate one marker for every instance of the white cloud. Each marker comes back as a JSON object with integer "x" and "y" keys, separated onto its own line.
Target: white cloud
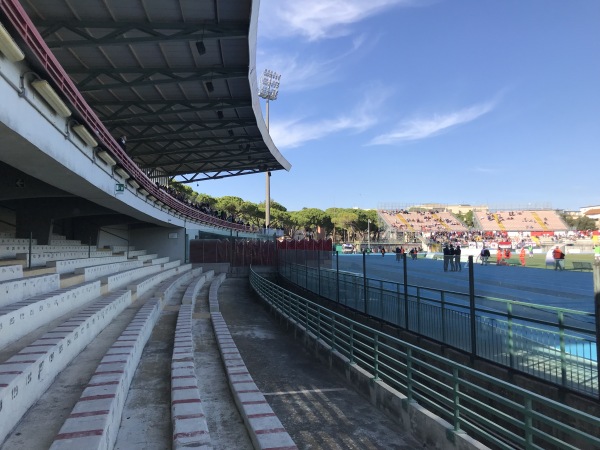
{"x": 319, "y": 19}
{"x": 298, "y": 74}
{"x": 422, "y": 128}
{"x": 304, "y": 72}
{"x": 295, "y": 132}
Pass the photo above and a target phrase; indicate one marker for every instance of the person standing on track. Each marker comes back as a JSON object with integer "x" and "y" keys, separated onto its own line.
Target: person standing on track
{"x": 457, "y": 266}
{"x": 559, "y": 258}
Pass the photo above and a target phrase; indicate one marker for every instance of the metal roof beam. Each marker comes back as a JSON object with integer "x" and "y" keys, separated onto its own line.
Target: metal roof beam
{"x": 163, "y": 110}
{"x": 115, "y": 32}
{"x": 167, "y": 76}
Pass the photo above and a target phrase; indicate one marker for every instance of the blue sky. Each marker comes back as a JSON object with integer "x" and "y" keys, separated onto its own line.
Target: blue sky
{"x": 417, "y": 101}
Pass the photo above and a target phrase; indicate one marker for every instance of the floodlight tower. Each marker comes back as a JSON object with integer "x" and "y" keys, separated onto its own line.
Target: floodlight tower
{"x": 269, "y": 88}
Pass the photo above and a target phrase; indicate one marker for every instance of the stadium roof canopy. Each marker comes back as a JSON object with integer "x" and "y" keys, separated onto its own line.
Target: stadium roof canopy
{"x": 176, "y": 77}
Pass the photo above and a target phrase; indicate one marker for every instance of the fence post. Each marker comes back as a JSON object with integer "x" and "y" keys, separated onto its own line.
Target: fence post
{"x": 319, "y": 271}
{"x": 365, "y": 282}
{"x": 405, "y": 270}
{"x": 472, "y": 308}
{"x": 597, "y": 313}
{"x": 337, "y": 276}
{"x": 30, "y": 242}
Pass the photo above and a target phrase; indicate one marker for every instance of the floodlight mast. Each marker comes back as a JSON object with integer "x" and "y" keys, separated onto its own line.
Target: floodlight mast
{"x": 269, "y": 88}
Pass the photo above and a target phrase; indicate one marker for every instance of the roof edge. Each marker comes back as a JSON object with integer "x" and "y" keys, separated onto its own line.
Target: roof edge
{"x": 252, "y": 79}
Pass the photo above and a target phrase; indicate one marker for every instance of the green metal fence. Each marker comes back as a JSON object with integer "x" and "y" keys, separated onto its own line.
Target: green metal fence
{"x": 493, "y": 412}
{"x": 554, "y": 344}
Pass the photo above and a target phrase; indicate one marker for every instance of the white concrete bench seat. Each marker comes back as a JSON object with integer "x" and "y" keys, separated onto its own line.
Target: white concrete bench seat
{"x": 19, "y": 289}
{"x": 163, "y": 260}
{"x": 171, "y": 265}
{"x": 10, "y": 251}
{"x": 64, "y": 242}
{"x": 69, "y": 265}
{"x": 94, "y": 421}
{"x": 95, "y": 272}
{"x": 42, "y": 259}
{"x": 26, "y": 375}
{"x": 118, "y": 280}
{"x": 119, "y": 248}
{"x": 149, "y": 282}
{"x": 189, "y": 296}
{"x": 20, "y": 318}
{"x": 133, "y": 253}
{"x": 190, "y": 428}
{"x": 17, "y": 241}
{"x": 213, "y": 299}
{"x": 11, "y": 272}
{"x": 144, "y": 258}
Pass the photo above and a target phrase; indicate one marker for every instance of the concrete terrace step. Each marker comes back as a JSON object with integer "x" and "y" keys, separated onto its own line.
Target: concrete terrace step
{"x": 145, "y": 257}
{"x": 69, "y": 265}
{"x": 16, "y": 241}
{"x": 120, "y": 279}
{"x": 10, "y": 251}
{"x": 95, "y": 272}
{"x": 42, "y": 259}
{"x": 94, "y": 421}
{"x": 64, "y": 242}
{"x": 19, "y": 289}
{"x": 20, "y": 318}
{"x": 25, "y": 376}
{"x": 11, "y": 272}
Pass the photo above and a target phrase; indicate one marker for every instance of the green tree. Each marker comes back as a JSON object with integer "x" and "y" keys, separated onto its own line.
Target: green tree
{"x": 467, "y": 218}
{"x": 584, "y": 223}
{"x": 230, "y": 204}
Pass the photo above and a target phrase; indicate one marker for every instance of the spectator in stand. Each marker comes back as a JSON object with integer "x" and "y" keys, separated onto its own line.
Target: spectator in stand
{"x": 122, "y": 141}
{"x": 559, "y": 258}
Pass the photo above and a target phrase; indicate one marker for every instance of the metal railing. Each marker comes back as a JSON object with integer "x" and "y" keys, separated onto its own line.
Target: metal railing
{"x": 489, "y": 410}
{"x": 553, "y": 344}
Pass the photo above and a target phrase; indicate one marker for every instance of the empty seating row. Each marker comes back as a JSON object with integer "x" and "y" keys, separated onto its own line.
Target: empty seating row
{"x": 26, "y": 375}
{"x": 94, "y": 272}
{"x": 20, "y": 318}
{"x": 69, "y": 265}
{"x": 42, "y": 259}
{"x": 10, "y": 251}
{"x": 21, "y": 288}
{"x": 190, "y": 428}
{"x": 11, "y": 272}
{"x": 94, "y": 421}
{"x": 120, "y": 279}
{"x": 16, "y": 241}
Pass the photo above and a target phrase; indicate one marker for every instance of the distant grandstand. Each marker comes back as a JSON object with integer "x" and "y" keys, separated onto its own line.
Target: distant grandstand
{"x": 426, "y": 222}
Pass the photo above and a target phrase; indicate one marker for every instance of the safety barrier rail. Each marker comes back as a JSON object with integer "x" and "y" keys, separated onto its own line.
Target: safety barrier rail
{"x": 553, "y": 344}
{"x": 490, "y": 410}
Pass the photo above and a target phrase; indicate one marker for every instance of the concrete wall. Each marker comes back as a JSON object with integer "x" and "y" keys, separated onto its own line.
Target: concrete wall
{"x": 169, "y": 242}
